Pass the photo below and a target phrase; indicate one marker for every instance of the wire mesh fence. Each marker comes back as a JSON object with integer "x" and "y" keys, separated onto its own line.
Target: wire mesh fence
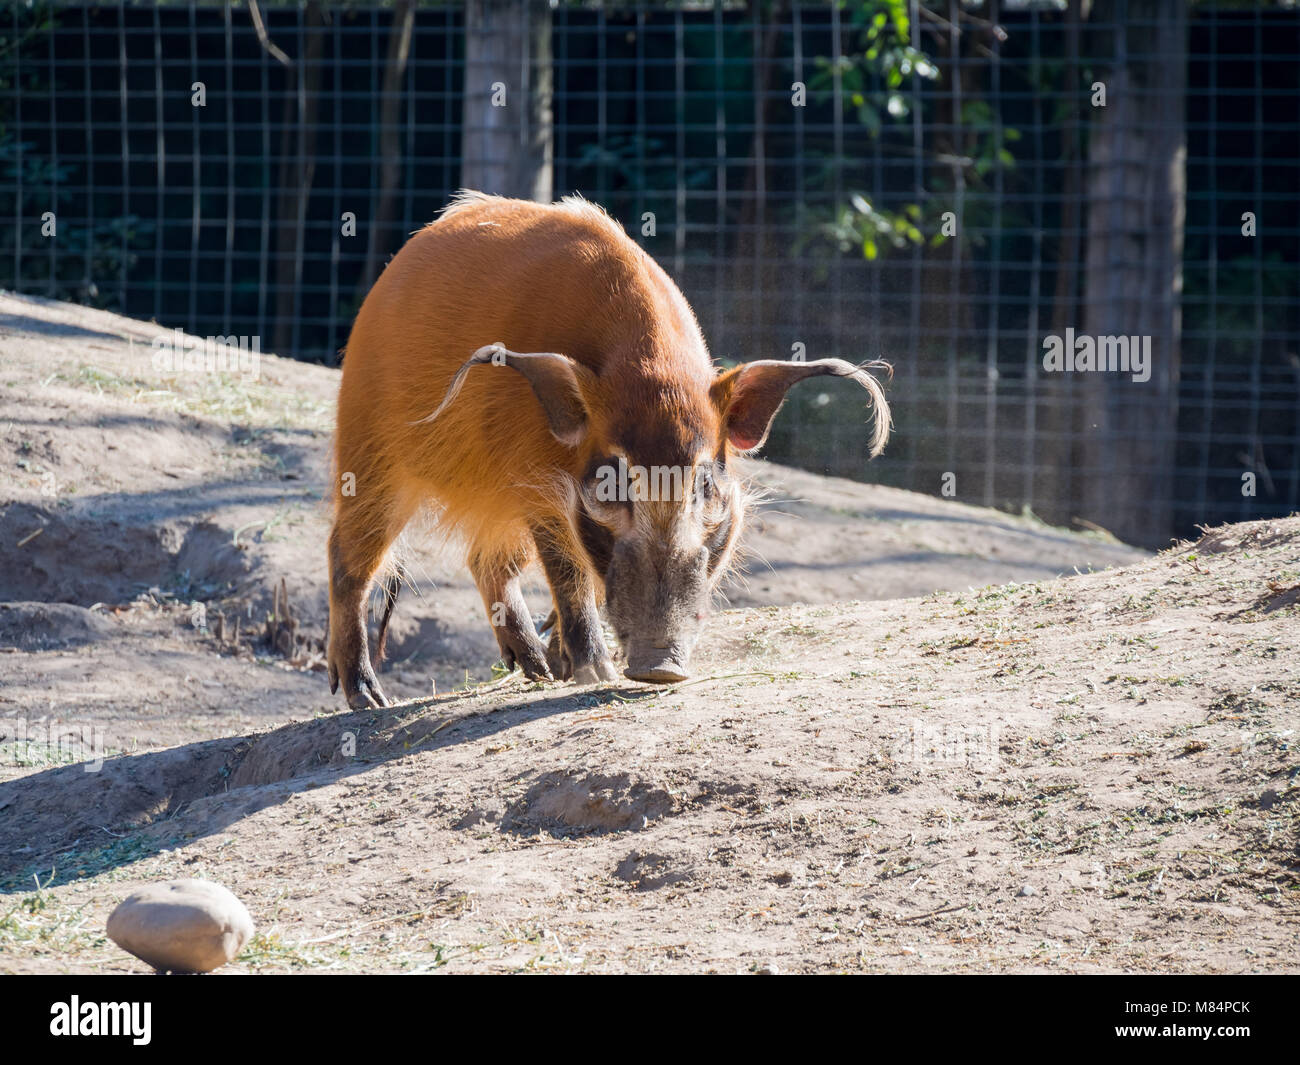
{"x": 948, "y": 186}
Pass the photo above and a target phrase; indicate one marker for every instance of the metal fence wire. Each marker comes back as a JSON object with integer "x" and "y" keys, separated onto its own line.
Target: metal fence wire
{"x": 947, "y": 185}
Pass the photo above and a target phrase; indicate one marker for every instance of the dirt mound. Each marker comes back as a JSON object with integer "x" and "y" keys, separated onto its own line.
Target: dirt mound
{"x": 42, "y": 626}
{"x": 137, "y": 791}
{"x": 1239, "y": 537}
{"x": 1090, "y": 774}
{"x": 589, "y": 802}
{"x": 100, "y": 800}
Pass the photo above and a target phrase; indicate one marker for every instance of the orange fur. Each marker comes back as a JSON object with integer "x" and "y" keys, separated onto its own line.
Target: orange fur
{"x": 561, "y": 278}
{"x": 458, "y": 393}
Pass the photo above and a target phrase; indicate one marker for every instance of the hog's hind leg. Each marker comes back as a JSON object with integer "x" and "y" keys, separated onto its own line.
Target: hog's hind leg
{"x": 354, "y": 561}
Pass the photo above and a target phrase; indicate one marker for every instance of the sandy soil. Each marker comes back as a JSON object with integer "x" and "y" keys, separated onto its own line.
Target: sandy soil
{"x": 154, "y": 501}
{"x": 877, "y": 767}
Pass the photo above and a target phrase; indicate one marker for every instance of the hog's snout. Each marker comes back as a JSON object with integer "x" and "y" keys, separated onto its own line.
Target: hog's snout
{"x": 667, "y": 672}
{"x": 656, "y": 599}
{"x": 656, "y": 661}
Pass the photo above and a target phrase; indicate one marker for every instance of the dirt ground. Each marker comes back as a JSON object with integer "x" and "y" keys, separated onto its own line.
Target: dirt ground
{"x": 909, "y": 746}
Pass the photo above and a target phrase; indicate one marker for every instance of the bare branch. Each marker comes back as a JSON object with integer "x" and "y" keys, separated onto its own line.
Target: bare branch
{"x": 267, "y": 43}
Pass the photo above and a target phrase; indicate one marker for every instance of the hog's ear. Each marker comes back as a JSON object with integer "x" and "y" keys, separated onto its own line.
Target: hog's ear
{"x": 749, "y": 396}
{"x": 554, "y": 381}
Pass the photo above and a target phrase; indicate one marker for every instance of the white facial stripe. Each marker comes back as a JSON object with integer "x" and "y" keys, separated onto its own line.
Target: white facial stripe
{"x": 666, "y": 507}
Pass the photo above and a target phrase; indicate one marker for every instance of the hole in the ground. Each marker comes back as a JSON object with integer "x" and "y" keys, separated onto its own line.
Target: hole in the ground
{"x": 55, "y": 556}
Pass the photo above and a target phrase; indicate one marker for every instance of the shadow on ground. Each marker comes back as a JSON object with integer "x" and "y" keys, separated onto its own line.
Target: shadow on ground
{"x": 69, "y": 821}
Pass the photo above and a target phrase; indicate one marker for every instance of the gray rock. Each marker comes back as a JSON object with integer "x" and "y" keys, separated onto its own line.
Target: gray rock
{"x": 183, "y": 926}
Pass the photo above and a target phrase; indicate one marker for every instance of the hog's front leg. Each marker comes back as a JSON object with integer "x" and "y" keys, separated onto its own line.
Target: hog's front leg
{"x": 577, "y": 645}
{"x": 498, "y": 584}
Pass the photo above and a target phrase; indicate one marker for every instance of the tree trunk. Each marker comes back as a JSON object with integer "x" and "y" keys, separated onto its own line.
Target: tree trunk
{"x": 757, "y": 264}
{"x": 1067, "y": 261}
{"x": 1056, "y": 497}
{"x": 1136, "y": 188}
{"x": 297, "y": 171}
{"x": 390, "y": 148}
{"x": 507, "y": 145}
